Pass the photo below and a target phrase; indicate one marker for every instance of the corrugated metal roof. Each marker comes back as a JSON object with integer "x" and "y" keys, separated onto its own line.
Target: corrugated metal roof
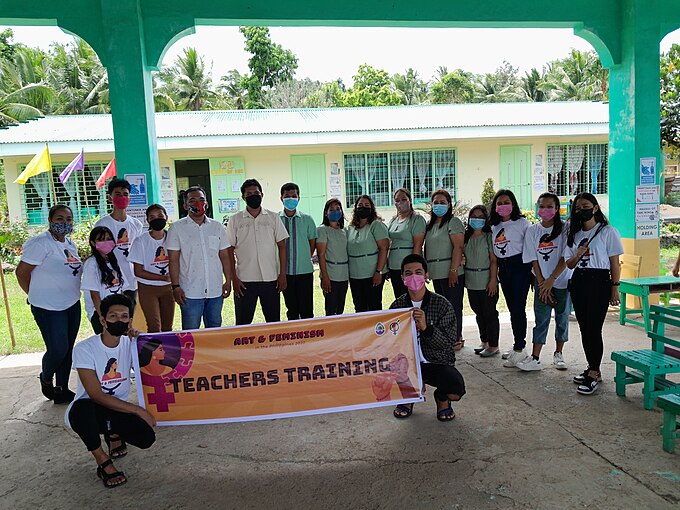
{"x": 68, "y": 128}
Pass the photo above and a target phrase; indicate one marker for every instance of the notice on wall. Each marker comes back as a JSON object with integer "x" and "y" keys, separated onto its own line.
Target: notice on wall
{"x": 221, "y": 183}
{"x": 647, "y": 170}
{"x": 166, "y": 179}
{"x": 645, "y": 213}
{"x": 335, "y": 169}
{"x": 539, "y": 174}
{"x": 647, "y": 194}
{"x": 138, "y": 196}
{"x": 168, "y": 199}
{"x": 647, "y": 230}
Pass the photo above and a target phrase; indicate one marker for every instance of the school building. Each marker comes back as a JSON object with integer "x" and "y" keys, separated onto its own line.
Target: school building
{"x": 339, "y": 152}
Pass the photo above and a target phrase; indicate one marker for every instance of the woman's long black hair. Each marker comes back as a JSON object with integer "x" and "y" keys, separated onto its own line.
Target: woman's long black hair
{"x": 575, "y": 223}
{"x": 447, "y": 216}
{"x": 494, "y": 217}
{"x": 99, "y": 234}
{"x": 147, "y": 350}
{"x": 326, "y": 208}
{"x": 486, "y": 228}
{"x": 374, "y": 214}
{"x": 558, "y": 226}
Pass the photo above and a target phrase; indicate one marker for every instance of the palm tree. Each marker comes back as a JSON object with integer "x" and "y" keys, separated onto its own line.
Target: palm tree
{"x": 530, "y": 86}
{"x": 412, "y": 89}
{"x": 579, "y": 77}
{"x": 233, "y": 87}
{"x": 192, "y": 83}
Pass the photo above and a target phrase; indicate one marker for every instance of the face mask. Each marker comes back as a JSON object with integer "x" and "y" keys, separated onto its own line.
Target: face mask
{"x": 158, "y": 224}
{"x": 198, "y": 209}
{"x": 105, "y": 247}
{"x": 117, "y": 328}
{"x": 477, "y": 223}
{"x": 585, "y": 214}
{"x": 440, "y": 209}
{"x": 120, "y": 201}
{"x": 403, "y": 206}
{"x": 290, "y": 203}
{"x": 415, "y": 282}
{"x": 335, "y": 215}
{"x": 547, "y": 213}
{"x": 254, "y": 201}
{"x": 504, "y": 210}
{"x": 61, "y": 229}
{"x": 363, "y": 212}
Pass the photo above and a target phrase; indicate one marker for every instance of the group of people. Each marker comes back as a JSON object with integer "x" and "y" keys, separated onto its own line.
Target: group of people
{"x": 197, "y": 262}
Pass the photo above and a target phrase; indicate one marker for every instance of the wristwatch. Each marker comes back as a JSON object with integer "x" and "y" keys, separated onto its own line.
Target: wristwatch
{"x": 175, "y": 286}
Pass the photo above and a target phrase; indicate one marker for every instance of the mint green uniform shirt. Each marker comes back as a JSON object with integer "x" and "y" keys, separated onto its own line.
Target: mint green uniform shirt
{"x": 478, "y": 262}
{"x": 439, "y": 250}
{"x": 401, "y": 235}
{"x": 337, "y": 263}
{"x": 301, "y": 230}
{"x": 362, "y": 248}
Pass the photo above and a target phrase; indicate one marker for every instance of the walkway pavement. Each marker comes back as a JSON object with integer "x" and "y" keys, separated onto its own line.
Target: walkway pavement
{"x": 520, "y": 440}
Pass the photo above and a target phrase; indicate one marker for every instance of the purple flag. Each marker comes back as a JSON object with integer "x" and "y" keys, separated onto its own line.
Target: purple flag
{"x": 77, "y": 164}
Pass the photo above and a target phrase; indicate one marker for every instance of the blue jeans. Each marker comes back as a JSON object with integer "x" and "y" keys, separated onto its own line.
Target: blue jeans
{"x": 543, "y": 313}
{"x": 208, "y": 308}
{"x": 59, "y": 330}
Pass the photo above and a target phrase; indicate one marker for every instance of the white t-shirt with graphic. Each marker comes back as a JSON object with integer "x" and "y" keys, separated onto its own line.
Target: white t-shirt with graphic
{"x": 92, "y": 280}
{"x": 547, "y": 253}
{"x": 124, "y": 234}
{"x": 508, "y": 237}
{"x": 55, "y": 280}
{"x": 153, "y": 256}
{"x": 606, "y": 244}
{"x": 111, "y": 364}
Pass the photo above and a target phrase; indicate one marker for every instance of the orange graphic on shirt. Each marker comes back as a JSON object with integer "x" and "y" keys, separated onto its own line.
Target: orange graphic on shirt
{"x": 501, "y": 242}
{"x": 72, "y": 262}
{"x": 161, "y": 256}
{"x": 545, "y": 247}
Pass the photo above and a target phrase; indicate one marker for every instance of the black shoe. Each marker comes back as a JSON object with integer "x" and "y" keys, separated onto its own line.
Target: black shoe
{"x": 47, "y": 388}
{"x": 588, "y": 387}
{"x": 580, "y": 379}
{"x": 63, "y": 396}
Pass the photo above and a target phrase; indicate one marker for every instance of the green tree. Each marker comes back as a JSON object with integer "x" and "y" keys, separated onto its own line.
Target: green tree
{"x": 530, "y": 86}
{"x": 372, "y": 87}
{"x": 578, "y": 77}
{"x": 453, "y": 87}
{"x": 501, "y": 86}
{"x": 7, "y": 47}
{"x": 328, "y": 95}
{"x": 410, "y": 87}
{"x": 188, "y": 82}
{"x": 233, "y": 89}
{"x": 670, "y": 98}
{"x": 291, "y": 93}
{"x": 487, "y": 192}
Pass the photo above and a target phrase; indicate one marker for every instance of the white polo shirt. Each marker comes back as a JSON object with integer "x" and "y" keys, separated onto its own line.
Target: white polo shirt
{"x": 200, "y": 268}
{"x": 254, "y": 241}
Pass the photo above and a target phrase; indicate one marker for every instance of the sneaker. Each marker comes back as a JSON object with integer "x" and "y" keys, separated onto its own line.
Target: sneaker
{"x": 47, "y": 388}
{"x": 588, "y": 387}
{"x": 487, "y": 353}
{"x": 479, "y": 349}
{"x": 558, "y": 361}
{"x": 63, "y": 396}
{"x": 507, "y": 354}
{"x": 580, "y": 379}
{"x": 530, "y": 364}
{"x": 515, "y": 358}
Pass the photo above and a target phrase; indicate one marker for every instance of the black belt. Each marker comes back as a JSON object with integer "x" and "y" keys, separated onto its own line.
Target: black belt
{"x": 337, "y": 263}
{"x": 439, "y": 260}
{"x": 402, "y": 248}
{"x": 476, "y": 269}
{"x": 366, "y": 255}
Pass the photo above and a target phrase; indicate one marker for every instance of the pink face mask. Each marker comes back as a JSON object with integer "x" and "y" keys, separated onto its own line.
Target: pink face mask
{"x": 415, "y": 282}
{"x": 105, "y": 247}
{"x": 504, "y": 210}
{"x": 121, "y": 201}
{"x": 547, "y": 213}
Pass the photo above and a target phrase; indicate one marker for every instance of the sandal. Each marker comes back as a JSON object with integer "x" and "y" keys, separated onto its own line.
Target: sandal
{"x": 446, "y": 414}
{"x": 403, "y": 411}
{"x": 118, "y": 451}
{"x": 107, "y": 477}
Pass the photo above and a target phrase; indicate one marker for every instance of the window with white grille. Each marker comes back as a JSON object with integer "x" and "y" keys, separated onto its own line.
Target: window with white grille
{"x": 578, "y": 168}
{"x": 380, "y": 174}
{"x": 37, "y": 197}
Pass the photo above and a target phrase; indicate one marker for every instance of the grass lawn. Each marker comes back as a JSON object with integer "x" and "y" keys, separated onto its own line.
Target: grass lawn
{"x": 668, "y": 258}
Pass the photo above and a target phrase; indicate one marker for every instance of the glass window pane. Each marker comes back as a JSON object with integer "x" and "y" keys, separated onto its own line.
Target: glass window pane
{"x": 400, "y": 171}
{"x": 422, "y": 176}
{"x": 355, "y": 177}
{"x": 378, "y": 182}
{"x": 445, "y": 171}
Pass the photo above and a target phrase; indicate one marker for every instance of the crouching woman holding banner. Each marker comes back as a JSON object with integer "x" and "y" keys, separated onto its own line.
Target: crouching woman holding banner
{"x": 100, "y": 406}
{"x": 436, "y": 326}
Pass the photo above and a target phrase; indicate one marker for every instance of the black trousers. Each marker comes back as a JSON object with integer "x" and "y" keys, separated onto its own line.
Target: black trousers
{"x": 89, "y": 420}
{"x": 299, "y": 296}
{"x": 515, "y": 277}
{"x": 365, "y": 296}
{"x": 335, "y": 299}
{"x": 397, "y": 283}
{"x": 591, "y": 290}
{"x": 446, "y": 380}
{"x": 486, "y": 315}
{"x": 454, "y": 295}
{"x": 270, "y": 301}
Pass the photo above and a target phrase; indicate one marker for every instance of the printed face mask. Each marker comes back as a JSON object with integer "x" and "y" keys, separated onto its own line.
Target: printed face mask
{"x": 290, "y": 203}
{"x": 477, "y": 223}
{"x": 254, "y": 201}
{"x": 547, "y": 213}
{"x": 403, "y": 206}
{"x": 414, "y": 282}
{"x": 585, "y": 214}
{"x": 117, "y": 328}
{"x": 335, "y": 215}
{"x": 440, "y": 209}
{"x": 61, "y": 229}
{"x": 120, "y": 201}
{"x": 504, "y": 210}
{"x": 158, "y": 224}
{"x": 198, "y": 209}
{"x": 363, "y": 212}
{"x": 105, "y": 247}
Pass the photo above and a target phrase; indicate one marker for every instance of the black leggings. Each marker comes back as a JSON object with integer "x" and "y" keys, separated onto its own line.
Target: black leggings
{"x": 89, "y": 419}
{"x": 591, "y": 290}
{"x": 454, "y": 295}
{"x": 486, "y": 315}
{"x": 365, "y": 296}
{"x": 516, "y": 277}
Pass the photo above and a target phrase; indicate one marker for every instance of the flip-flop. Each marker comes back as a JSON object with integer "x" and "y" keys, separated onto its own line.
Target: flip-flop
{"x": 447, "y": 414}
{"x": 404, "y": 408}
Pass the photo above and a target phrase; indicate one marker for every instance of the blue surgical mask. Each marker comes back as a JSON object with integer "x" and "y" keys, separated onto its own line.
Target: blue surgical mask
{"x": 440, "y": 209}
{"x": 335, "y": 215}
{"x": 290, "y": 203}
{"x": 477, "y": 223}
{"x": 61, "y": 229}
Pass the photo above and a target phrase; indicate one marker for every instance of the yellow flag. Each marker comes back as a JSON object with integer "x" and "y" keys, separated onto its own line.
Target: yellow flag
{"x": 39, "y": 164}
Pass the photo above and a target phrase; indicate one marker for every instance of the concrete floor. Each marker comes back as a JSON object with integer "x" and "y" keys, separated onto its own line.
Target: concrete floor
{"x": 520, "y": 440}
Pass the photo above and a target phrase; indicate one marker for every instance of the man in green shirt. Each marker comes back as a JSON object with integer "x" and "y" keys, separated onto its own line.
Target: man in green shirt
{"x": 300, "y": 246}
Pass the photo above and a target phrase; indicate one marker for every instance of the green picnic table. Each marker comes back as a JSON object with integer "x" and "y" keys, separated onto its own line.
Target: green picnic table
{"x": 642, "y": 288}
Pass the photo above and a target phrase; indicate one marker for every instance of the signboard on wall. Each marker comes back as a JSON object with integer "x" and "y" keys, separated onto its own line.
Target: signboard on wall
{"x": 647, "y": 170}
{"x": 647, "y": 230}
{"x": 226, "y": 177}
{"x": 138, "y": 196}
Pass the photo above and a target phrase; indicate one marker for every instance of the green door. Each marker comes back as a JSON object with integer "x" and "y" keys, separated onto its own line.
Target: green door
{"x": 516, "y": 173}
{"x": 309, "y": 172}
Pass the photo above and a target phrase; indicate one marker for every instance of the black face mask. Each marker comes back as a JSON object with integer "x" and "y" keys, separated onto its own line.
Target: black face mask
{"x": 158, "y": 224}
{"x": 585, "y": 214}
{"x": 254, "y": 201}
{"x": 363, "y": 212}
{"x": 117, "y": 328}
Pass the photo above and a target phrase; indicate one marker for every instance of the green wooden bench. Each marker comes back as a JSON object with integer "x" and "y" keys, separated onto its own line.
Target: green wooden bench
{"x": 670, "y": 430}
{"x": 642, "y": 288}
{"x": 650, "y": 366}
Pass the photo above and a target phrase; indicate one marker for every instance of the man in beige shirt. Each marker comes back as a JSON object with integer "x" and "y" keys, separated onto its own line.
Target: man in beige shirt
{"x": 258, "y": 257}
